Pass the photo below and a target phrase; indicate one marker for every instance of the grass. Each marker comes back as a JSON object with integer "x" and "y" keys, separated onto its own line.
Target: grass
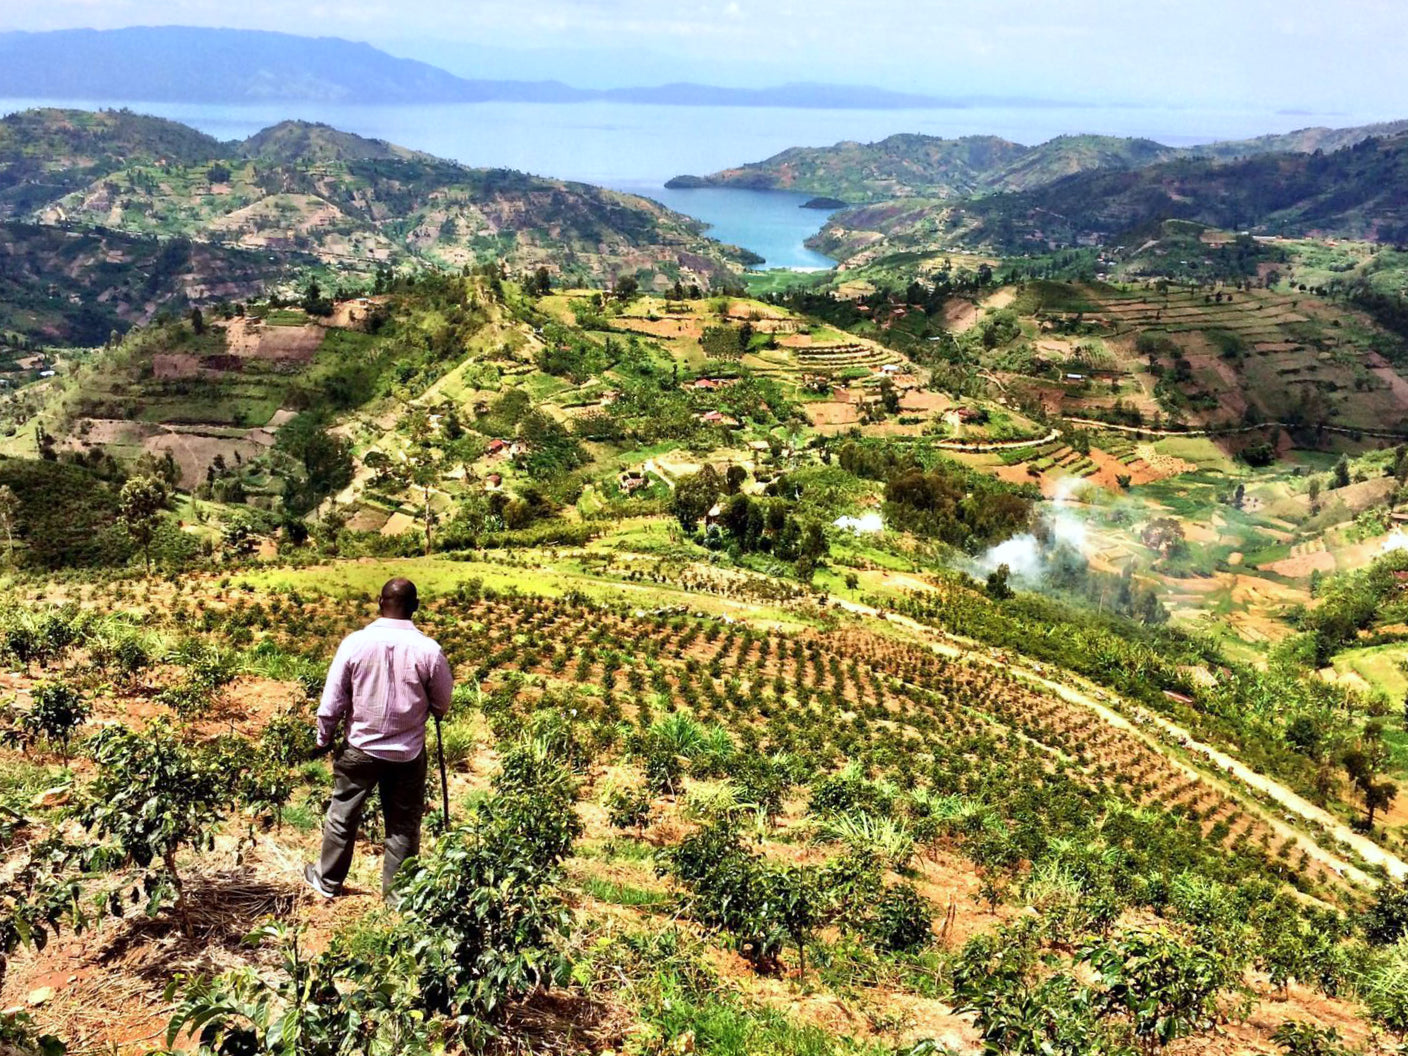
{"x": 718, "y": 1023}
{"x": 1379, "y": 666}
{"x": 622, "y": 894}
{"x": 360, "y": 581}
{"x": 778, "y": 280}
{"x": 302, "y": 817}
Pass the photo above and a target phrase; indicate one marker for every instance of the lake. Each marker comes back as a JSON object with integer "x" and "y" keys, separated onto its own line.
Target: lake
{"x": 638, "y": 148}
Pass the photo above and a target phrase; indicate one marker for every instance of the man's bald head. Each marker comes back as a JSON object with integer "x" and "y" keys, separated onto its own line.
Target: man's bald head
{"x": 398, "y": 599}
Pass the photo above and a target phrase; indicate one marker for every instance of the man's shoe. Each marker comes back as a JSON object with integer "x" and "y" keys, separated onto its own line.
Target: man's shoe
{"x": 313, "y": 880}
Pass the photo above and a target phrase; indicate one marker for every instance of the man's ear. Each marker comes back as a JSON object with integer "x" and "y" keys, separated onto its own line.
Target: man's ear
{"x": 414, "y": 607}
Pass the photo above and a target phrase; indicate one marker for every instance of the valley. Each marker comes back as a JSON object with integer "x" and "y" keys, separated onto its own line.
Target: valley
{"x": 983, "y": 646}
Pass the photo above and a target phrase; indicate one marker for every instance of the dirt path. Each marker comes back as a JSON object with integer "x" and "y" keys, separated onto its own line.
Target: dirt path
{"x": 982, "y": 446}
{"x": 1283, "y": 796}
{"x": 1363, "y": 846}
{"x": 1095, "y": 423}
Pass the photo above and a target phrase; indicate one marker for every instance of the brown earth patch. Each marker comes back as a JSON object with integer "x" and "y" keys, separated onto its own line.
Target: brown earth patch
{"x": 252, "y": 339}
{"x": 832, "y": 414}
{"x": 175, "y": 365}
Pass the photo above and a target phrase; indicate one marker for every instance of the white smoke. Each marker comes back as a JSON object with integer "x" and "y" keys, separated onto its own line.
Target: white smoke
{"x": 1025, "y": 555}
{"x": 865, "y": 524}
{"x": 1396, "y": 541}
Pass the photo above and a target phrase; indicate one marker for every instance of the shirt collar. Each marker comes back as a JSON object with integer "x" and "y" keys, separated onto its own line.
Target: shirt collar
{"x": 404, "y": 625}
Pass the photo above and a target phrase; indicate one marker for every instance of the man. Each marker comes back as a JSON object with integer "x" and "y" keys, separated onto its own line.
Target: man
{"x": 385, "y": 680}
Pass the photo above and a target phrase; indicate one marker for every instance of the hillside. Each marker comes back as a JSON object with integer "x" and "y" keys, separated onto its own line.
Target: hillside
{"x": 305, "y": 197}
{"x": 1354, "y": 192}
{"x": 919, "y": 166}
{"x": 910, "y": 165}
{"x": 744, "y": 777}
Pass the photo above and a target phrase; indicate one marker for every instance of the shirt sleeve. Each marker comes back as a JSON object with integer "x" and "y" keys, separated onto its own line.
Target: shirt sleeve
{"x": 440, "y": 686}
{"x": 337, "y": 694}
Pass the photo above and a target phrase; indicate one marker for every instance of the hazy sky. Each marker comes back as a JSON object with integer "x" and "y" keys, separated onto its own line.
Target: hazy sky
{"x": 1317, "y": 55}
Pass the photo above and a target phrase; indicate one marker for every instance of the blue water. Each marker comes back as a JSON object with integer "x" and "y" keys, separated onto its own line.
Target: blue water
{"x": 772, "y": 224}
{"x": 640, "y": 147}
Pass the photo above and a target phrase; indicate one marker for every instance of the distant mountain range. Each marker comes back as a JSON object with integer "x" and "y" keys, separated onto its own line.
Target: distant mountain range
{"x": 919, "y": 166}
{"x": 1359, "y": 190}
{"x": 196, "y": 65}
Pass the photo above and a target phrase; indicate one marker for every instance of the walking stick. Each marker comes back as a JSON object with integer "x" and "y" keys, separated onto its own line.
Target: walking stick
{"x": 444, "y": 781}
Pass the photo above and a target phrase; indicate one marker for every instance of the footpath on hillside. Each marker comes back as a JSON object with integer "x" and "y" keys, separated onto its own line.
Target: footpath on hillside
{"x": 956, "y": 647}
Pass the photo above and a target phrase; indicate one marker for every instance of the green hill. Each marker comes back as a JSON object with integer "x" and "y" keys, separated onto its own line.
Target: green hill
{"x": 917, "y": 166}
{"x": 306, "y": 142}
{"x": 1354, "y": 192}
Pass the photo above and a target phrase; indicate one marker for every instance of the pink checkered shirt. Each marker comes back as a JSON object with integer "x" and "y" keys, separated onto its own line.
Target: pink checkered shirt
{"x": 386, "y": 680}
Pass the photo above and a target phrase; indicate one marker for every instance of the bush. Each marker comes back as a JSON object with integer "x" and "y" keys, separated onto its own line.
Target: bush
{"x": 903, "y": 920}
{"x": 628, "y": 808}
{"x": 153, "y": 796}
{"x": 732, "y": 888}
{"x": 483, "y": 919}
{"x": 57, "y": 710}
{"x": 1304, "y": 1039}
{"x": 1386, "y": 921}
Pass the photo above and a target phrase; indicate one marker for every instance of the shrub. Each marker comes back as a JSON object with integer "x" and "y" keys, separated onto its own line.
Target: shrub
{"x": 732, "y": 888}
{"x": 1304, "y": 1039}
{"x": 1162, "y": 988}
{"x": 311, "y": 1006}
{"x": 1386, "y": 921}
{"x": 628, "y": 808}
{"x": 902, "y": 921}
{"x": 153, "y": 796}
{"x": 483, "y": 919}
{"x": 57, "y": 710}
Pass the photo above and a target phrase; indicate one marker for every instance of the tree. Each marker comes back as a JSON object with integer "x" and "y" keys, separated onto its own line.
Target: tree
{"x": 1341, "y": 472}
{"x": 9, "y": 518}
{"x": 997, "y": 587}
{"x": 1362, "y": 764}
{"x": 139, "y": 507}
{"x": 889, "y": 396}
{"x": 1386, "y": 920}
{"x": 694, "y": 496}
{"x": 314, "y": 303}
{"x": 541, "y": 284}
{"x": 425, "y": 473}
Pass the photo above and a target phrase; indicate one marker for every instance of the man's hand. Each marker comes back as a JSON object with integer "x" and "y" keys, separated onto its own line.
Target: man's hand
{"x": 319, "y": 751}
